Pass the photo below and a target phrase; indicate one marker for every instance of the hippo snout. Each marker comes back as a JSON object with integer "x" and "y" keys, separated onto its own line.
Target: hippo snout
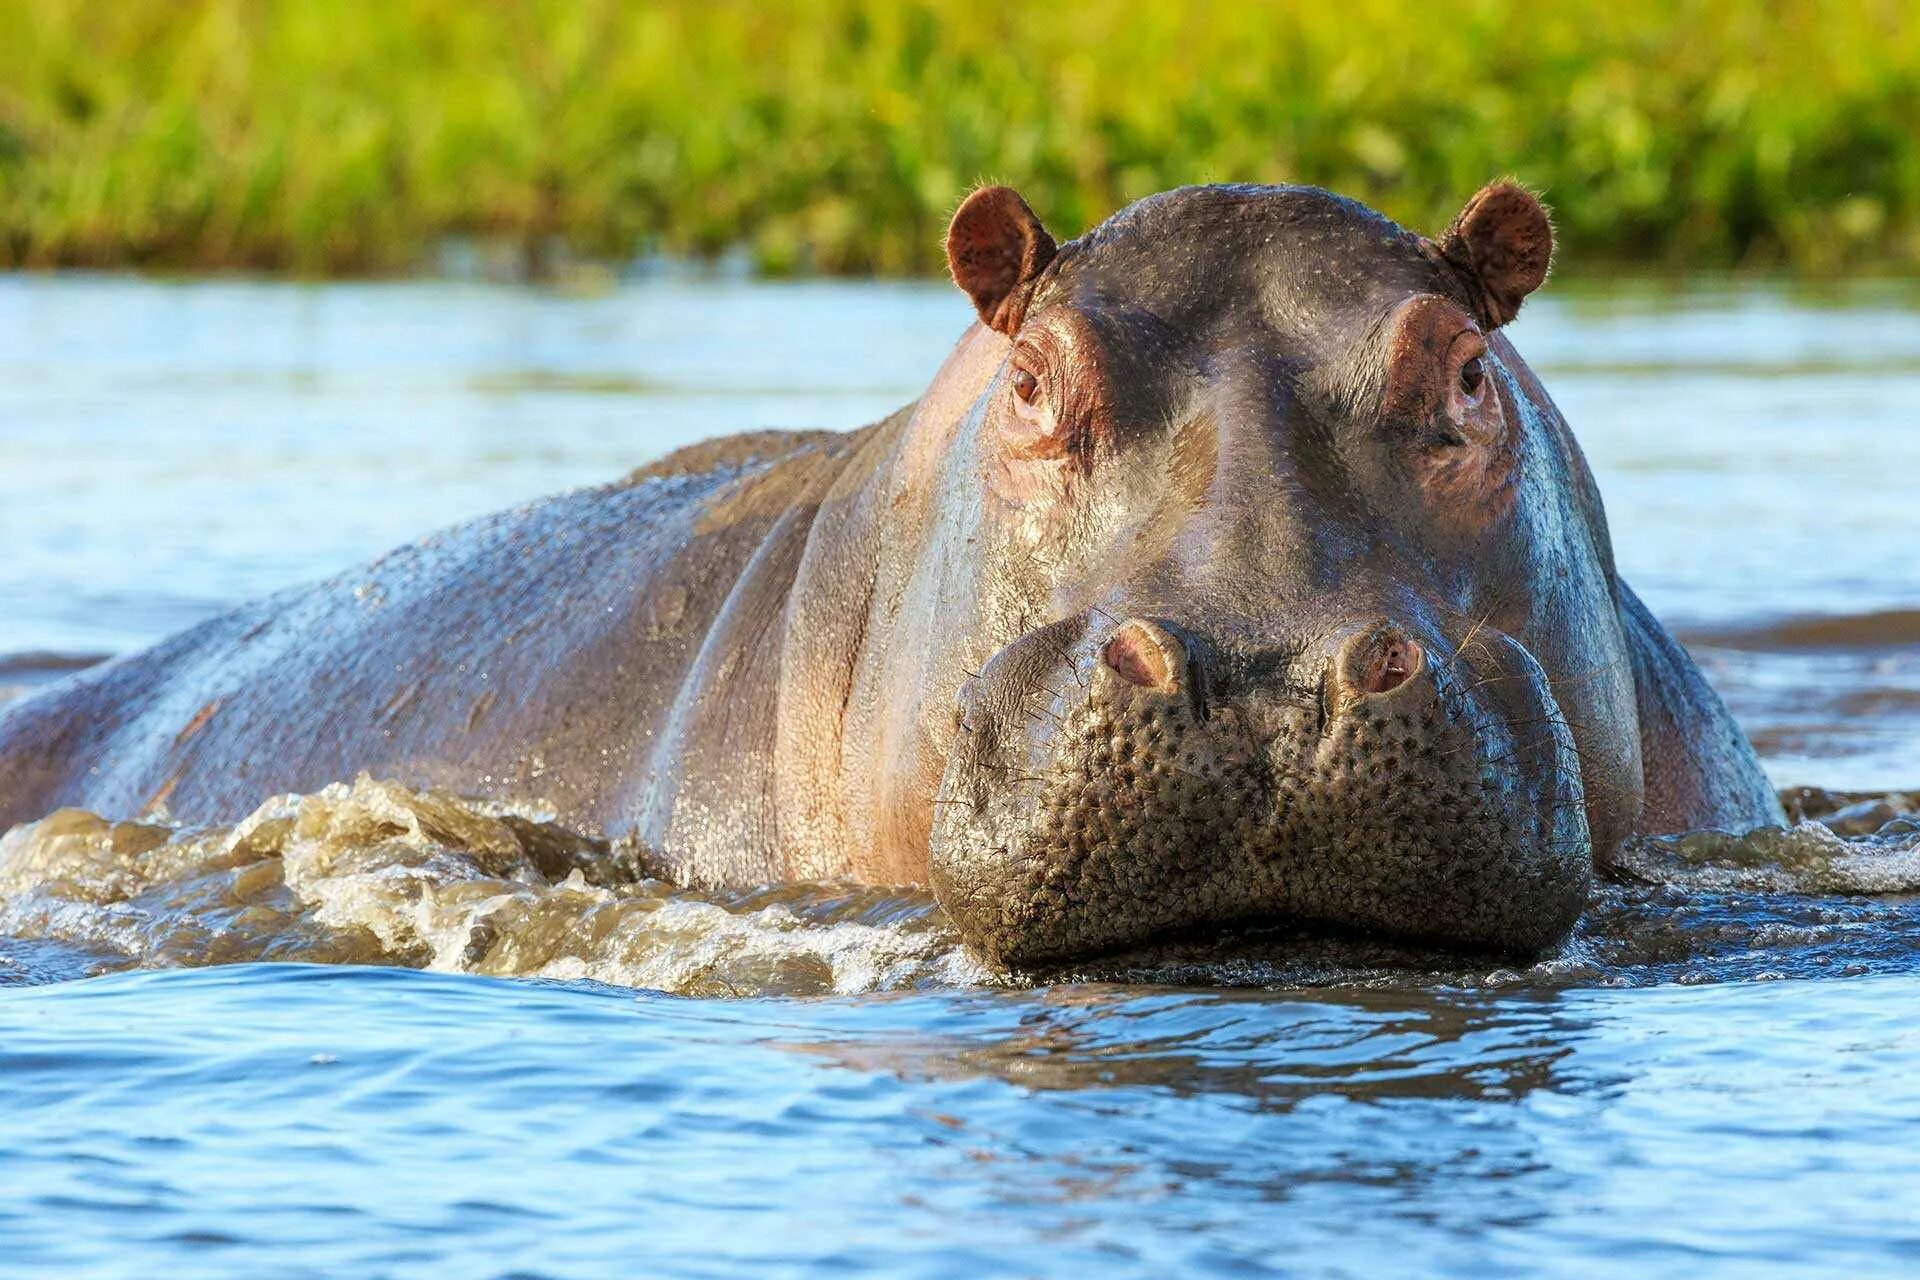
{"x": 1116, "y": 782}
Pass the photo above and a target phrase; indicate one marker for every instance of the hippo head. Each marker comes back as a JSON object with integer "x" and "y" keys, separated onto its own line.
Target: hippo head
{"x": 1291, "y": 595}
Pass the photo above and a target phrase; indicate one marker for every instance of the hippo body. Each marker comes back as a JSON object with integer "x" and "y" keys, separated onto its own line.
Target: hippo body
{"x": 1234, "y": 566}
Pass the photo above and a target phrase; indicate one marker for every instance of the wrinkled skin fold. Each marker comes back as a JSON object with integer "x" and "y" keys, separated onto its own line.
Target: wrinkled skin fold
{"x": 1233, "y": 567}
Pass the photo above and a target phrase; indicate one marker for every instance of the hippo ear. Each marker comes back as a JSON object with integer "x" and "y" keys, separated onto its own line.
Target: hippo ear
{"x": 995, "y": 249}
{"x": 1502, "y": 244}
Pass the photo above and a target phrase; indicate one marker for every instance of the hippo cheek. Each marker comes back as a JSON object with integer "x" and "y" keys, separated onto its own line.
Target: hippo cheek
{"x": 1135, "y": 809}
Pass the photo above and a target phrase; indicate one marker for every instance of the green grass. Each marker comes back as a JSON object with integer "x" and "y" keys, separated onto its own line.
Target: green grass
{"x": 836, "y": 135}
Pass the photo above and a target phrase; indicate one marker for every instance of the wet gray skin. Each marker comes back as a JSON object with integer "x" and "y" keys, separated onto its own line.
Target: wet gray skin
{"x": 1234, "y": 568}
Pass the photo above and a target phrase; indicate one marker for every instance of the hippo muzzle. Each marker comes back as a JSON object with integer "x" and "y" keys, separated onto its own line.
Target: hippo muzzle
{"x": 1112, "y": 784}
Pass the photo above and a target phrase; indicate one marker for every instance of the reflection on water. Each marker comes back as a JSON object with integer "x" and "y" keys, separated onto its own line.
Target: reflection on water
{"x": 1715, "y": 1076}
{"x": 1360, "y": 1045}
{"x": 353, "y": 1121}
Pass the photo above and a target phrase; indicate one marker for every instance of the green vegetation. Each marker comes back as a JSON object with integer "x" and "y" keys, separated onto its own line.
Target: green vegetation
{"x": 837, "y": 135}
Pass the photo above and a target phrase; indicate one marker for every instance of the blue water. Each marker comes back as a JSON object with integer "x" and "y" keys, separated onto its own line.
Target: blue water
{"x": 1718, "y": 1079}
{"x": 308, "y": 1120}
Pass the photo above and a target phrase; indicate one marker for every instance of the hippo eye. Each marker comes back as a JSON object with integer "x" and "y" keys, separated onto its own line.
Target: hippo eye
{"x": 1025, "y": 386}
{"x": 1473, "y": 375}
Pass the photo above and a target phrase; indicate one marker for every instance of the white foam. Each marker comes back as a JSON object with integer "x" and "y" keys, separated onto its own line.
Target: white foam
{"x": 376, "y": 873}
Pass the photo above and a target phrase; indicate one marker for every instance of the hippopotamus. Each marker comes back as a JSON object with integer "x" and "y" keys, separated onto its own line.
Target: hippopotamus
{"x": 1234, "y": 568}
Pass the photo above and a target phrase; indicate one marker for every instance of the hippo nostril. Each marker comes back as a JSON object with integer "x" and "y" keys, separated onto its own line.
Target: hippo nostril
{"x": 1378, "y": 660}
{"x": 1145, "y": 655}
{"x": 1390, "y": 666}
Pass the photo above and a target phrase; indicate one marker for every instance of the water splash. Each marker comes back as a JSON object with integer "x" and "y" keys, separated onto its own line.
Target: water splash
{"x": 375, "y": 873}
